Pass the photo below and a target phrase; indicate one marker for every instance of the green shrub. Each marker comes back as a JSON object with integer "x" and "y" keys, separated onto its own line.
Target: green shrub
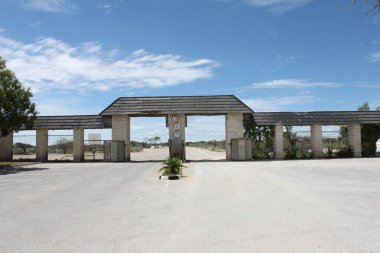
{"x": 345, "y": 152}
{"x": 172, "y": 166}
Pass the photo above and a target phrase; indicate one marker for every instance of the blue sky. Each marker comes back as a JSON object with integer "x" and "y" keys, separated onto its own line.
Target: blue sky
{"x": 275, "y": 55}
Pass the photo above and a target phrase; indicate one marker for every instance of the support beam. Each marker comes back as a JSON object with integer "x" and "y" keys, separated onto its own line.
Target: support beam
{"x": 316, "y": 141}
{"x": 177, "y": 125}
{"x": 234, "y": 130}
{"x": 42, "y": 143}
{"x": 355, "y": 139}
{"x": 278, "y": 142}
{"x": 6, "y": 147}
{"x": 78, "y": 145}
{"x": 121, "y": 125}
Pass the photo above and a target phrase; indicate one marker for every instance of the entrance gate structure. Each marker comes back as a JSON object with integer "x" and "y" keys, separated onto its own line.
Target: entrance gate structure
{"x": 177, "y": 108}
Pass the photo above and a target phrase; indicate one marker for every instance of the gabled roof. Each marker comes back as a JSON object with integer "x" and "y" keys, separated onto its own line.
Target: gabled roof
{"x": 310, "y": 118}
{"x": 70, "y": 122}
{"x": 189, "y": 105}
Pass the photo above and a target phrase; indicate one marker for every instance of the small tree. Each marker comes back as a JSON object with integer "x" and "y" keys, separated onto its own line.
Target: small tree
{"x": 374, "y": 5}
{"x": 64, "y": 144}
{"x": 370, "y": 133}
{"x": 259, "y": 135}
{"x": 16, "y": 109}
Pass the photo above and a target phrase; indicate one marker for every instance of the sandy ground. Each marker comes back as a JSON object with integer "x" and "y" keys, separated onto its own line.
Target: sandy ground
{"x": 273, "y": 206}
{"x": 161, "y": 154}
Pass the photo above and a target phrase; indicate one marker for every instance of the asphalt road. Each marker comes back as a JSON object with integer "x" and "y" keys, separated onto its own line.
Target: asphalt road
{"x": 279, "y": 206}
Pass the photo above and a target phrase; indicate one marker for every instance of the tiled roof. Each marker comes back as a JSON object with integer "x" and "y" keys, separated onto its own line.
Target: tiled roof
{"x": 323, "y": 118}
{"x": 70, "y": 122}
{"x": 189, "y": 105}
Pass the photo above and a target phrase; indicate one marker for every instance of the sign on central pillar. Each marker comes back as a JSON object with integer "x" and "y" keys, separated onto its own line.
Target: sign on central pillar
{"x": 177, "y": 124}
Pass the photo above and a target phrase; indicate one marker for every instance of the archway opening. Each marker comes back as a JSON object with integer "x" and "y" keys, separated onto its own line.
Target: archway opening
{"x": 149, "y": 139}
{"x": 206, "y": 138}
{"x": 24, "y": 145}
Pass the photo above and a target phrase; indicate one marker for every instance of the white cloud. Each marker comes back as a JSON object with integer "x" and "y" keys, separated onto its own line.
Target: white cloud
{"x": 35, "y": 23}
{"x": 50, "y": 63}
{"x": 278, "y": 6}
{"x": 50, "y": 5}
{"x": 375, "y": 57}
{"x": 275, "y": 104}
{"x": 293, "y": 83}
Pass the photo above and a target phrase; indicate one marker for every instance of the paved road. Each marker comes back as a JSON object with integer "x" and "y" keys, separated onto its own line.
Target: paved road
{"x": 161, "y": 154}
{"x": 287, "y": 206}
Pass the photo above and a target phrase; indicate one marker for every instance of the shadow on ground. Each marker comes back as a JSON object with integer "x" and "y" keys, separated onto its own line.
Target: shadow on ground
{"x": 5, "y": 170}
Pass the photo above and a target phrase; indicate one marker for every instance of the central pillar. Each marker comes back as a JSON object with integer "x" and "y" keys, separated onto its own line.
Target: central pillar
{"x": 278, "y": 142}
{"x": 42, "y": 143}
{"x": 316, "y": 141}
{"x": 78, "y": 145}
{"x": 177, "y": 125}
{"x": 355, "y": 139}
{"x": 234, "y": 130}
{"x": 121, "y": 125}
{"x": 6, "y": 147}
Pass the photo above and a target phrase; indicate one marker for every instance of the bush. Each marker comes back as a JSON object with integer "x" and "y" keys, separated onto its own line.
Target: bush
{"x": 172, "y": 166}
{"x": 345, "y": 152}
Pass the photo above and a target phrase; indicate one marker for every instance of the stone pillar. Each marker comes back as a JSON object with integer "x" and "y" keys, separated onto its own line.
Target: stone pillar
{"x": 316, "y": 141}
{"x": 234, "y": 130}
{"x": 42, "y": 144}
{"x": 121, "y": 130}
{"x": 177, "y": 125}
{"x": 78, "y": 145}
{"x": 6, "y": 147}
{"x": 278, "y": 148}
{"x": 355, "y": 139}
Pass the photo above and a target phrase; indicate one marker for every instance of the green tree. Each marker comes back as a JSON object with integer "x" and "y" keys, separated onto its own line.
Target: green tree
{"x": 156, "y": 139}
{"x": 16, "y": 109}
{"x": 374, "y": 5}
{"x": 291, "y": 137}
{"x": 260, "y": 136}
{"x": 364, "y": 107}
{"x": 64, "y": 145}
{"x": 370, "y": 133}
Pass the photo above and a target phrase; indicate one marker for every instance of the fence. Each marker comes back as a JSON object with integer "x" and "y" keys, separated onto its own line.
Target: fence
{"x": 60, "y": 148}
{"x": 94, "y": 150}
{"x": 24, "y": 147}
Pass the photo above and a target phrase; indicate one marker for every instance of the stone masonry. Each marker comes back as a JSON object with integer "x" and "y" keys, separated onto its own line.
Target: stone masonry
{"x": 42, "y": 142}
{"x": 316, "y": 141}
{"x": 121, "y": 128}
{"x": 354, "y": 139}
{"x": 234, "y": 130}
{"x": 78, "y": 145}
{"x": 177, "y": 126}
{"x": 6, "y": 146}
{"x": 278, "y": 142}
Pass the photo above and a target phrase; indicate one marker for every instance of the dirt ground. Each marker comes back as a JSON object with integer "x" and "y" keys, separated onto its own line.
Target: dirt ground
{"x": 218, "y": 206}
{"x": 160, "y": 154}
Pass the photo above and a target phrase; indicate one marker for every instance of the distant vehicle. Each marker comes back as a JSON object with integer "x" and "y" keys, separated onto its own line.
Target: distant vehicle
{"x": 378, "y": 147}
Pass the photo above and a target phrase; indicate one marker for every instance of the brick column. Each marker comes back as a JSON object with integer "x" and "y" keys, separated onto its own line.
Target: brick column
{"x": 121, "y": 129}
{"x": 355, "y": 139}
{"x": 78, "y": 145}
{"x": 6, "y": 147}
{"x": 278, "y": 148}
{"x": 234, "y": 130}
{"x": 316, "y": 141}
{"x": 177, "y": 126}
{"x": 42, "y": 144}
